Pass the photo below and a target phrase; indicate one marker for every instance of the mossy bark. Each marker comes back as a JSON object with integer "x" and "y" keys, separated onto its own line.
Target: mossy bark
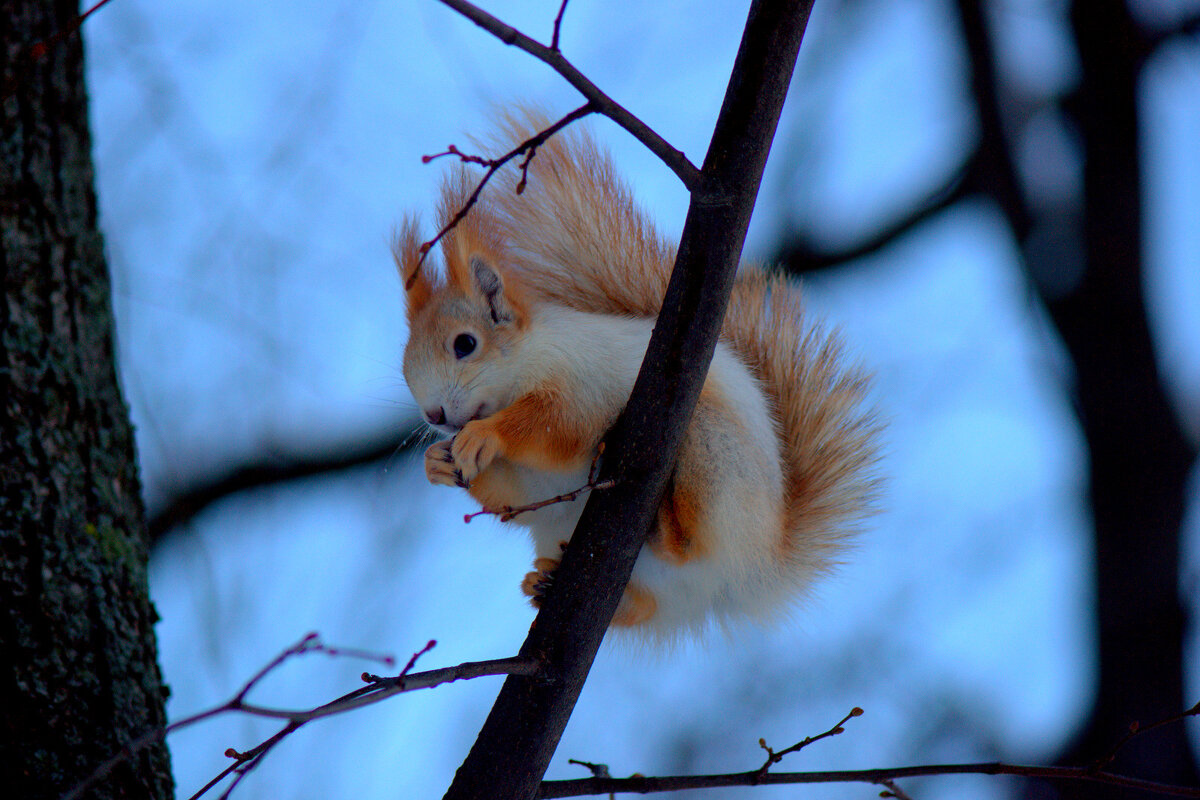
{"x": 79, "y": 677}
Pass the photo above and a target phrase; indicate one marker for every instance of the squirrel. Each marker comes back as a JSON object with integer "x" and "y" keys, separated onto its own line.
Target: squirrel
{"x": 525, "y": 351}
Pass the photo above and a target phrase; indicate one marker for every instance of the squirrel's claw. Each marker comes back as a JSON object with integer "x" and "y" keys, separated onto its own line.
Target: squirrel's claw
{"x": 440, "y": 467}
{"x": 473, "y": 449}
{"x": 537, "y": 583}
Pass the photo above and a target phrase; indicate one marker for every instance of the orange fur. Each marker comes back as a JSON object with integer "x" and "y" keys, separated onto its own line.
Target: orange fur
{"x": 827, "y": 440}
{"x": 406, "y": 248}
{"x": 675, "y": 539}
{"x": 775, "y": 468}
{"x": 637, "y": 606}
{"x": 498, "y": 487}
{"x": 598, "y": 231}
{"x": 538, "y": 430}
{"x": 608, "y": 258}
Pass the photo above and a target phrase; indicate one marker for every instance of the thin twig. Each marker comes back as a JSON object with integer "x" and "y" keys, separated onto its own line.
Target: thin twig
{"x": 379, "y": 689}
{"x": 383, "y": 688}
{"x": 1136, "y": 729}
{"x": 598, "y": 100}
{"x": 310, "y": 643}
{"x": 774, "y": 758}
{"x": 892, "y": 790}
{"x": 505, "y": 513}
{"x": 528, "y": 146}
{"x": 558, "y": 25}
{"x": 597, "y": 770}
{"x": 886, "y": 778}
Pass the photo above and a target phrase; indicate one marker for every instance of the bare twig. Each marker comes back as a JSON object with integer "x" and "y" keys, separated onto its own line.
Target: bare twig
{"x": 508, "y": 512}
{"x": 382, "y": 688}
{"x": 310, "y": 643}
{"x": 597, "y": 770}
{"x": 505, "y": 513}
{"x": 890, "y": 789}
{"x": 529, "y": 146}
{"x": 774, "y": 758}
{"x": 558, "y": 25}
{"x": 246, "y": 762}
{"x": 1136, "y": 729}
{"x": 379, "y": 689}
{"x": 598, "y": 100}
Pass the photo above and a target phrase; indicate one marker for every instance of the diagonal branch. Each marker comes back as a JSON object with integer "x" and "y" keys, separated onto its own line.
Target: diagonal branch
{"x": 799, "y": 257}
{"x": 522, "y": 732}
{"x": 673, "y": 158}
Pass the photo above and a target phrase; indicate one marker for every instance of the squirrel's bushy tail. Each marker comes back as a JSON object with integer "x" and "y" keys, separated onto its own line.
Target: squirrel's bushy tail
{"x": 575, "y": 232}
{"x": 578, "y": 238}
{"x": 827, "y": 431}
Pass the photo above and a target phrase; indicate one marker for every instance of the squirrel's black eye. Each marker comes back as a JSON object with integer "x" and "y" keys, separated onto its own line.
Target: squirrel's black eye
{"x": 464, "y": 345}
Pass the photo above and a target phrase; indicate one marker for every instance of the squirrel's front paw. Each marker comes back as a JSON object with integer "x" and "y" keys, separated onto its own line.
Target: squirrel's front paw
{"x": 474, "y": 448}
{"x": 537, "y": 583}
{"x": 440, "y": 466}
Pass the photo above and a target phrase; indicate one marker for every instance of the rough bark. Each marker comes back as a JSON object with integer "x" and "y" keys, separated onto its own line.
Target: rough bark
{"x": 78, "y": 671}
{"x": 521, "y": 733}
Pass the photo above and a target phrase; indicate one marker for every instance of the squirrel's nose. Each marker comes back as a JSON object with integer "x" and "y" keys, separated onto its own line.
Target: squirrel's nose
{"x": 435, "y": 417}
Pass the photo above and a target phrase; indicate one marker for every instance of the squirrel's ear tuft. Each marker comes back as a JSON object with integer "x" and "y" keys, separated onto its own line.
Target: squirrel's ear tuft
{"x": 490, "y": 285}
{"x": 407, "y": 250}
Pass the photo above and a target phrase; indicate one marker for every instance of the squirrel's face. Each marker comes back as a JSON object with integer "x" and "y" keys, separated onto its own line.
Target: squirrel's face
{"x": 458, "y": 360}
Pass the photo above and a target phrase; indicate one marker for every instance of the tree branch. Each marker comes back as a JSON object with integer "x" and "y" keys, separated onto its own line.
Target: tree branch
{"x": 1186, "y": 26}
{"x": 640, "y": 785}
{"x": 379, "y": 690}
{"x": 528, "y": 148}
{"x": 267, "y": 471}
{"x": 675, "y": 159}
{"x": 520, "y": 735}
{"x": 799, "y": 257}
{"x": 603, "y": 783}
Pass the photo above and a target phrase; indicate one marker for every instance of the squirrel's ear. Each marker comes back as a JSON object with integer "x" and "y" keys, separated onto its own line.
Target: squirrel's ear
{"x": 490, "y": 284}
{"x": 406, "y": 249}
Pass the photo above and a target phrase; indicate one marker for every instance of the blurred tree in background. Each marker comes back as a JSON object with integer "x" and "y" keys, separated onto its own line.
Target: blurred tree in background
{"x": 1083, "y": 255}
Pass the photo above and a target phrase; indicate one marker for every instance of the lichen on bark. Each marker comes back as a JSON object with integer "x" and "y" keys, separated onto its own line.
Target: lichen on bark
{"x": 79, "y": 678}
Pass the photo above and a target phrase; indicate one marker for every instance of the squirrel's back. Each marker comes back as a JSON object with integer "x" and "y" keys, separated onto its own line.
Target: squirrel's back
{"x": 581, "y": 240}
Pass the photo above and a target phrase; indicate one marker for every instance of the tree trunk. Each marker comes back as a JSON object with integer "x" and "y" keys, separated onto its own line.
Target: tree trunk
{"x": 1139, "y": 456}
{"x": 79, "y": 677}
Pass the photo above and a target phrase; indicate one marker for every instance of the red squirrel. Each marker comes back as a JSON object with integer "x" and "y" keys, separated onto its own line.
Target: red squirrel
{"x": 525, "y": 351}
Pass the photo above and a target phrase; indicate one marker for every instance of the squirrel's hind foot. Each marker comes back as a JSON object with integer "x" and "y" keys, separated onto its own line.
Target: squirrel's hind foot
{"x": 537, "y": 583}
